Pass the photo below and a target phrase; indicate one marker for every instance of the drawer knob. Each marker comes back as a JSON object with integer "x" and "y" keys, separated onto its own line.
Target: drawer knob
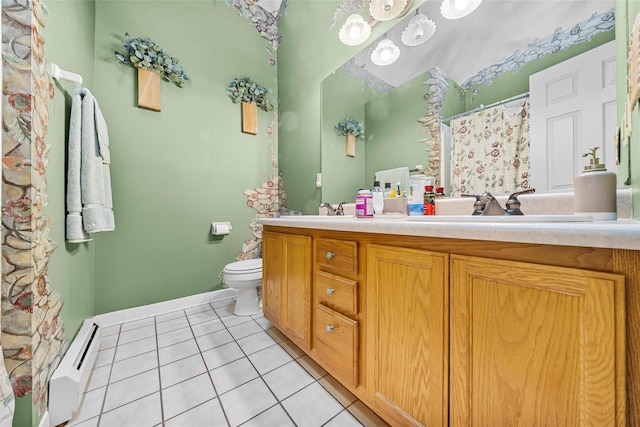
{"x": 330, "y": 255}
{"x": 330, "y": 328}
{"x": 330, "y": 291}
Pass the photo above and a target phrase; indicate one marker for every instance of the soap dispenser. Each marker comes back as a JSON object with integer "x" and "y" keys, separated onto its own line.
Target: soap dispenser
{"x": 595, "y": 190}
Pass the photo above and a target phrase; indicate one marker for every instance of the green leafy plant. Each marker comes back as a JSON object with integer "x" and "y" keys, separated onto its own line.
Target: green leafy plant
{"x": 145, "y": 53}
{"x": 245, "y": 90}
{"x": 352, "y": 126}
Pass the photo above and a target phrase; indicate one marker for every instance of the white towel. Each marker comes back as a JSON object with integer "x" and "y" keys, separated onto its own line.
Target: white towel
{"x": 394, "y": 176}
{"x": 89, "y": 205}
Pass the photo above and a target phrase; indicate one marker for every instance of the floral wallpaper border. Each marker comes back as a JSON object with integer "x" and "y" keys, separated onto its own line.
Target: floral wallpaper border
{"x": 33, "y": 335}
{"x": 265, "y": 22}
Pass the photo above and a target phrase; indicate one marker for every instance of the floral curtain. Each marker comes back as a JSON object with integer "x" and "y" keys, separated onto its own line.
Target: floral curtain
{"x": 490, "y": 150}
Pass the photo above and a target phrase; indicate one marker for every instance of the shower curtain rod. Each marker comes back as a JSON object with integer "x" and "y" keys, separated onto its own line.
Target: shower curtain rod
{"x": 482, "y": 107}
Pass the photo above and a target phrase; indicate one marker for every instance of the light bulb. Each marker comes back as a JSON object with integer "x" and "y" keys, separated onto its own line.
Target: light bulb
{"x": 388, "y": 4}
{"x": 354, "y": 32}
{"x": 461, "y": 4}
{"x": 418, "y": 33}
{"x": 385, "y": 54}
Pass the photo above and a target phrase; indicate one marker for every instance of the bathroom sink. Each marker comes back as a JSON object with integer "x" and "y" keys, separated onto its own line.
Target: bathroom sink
{"x": 502, "y": 218}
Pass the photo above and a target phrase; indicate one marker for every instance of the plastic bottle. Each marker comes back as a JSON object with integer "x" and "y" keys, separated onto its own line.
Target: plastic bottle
{"x": 378, "y": 199}
{"x": 595, "y": 190}
{"x": 387, "y": 190}
{"x": 364, "y": 204}
{"x": 440, "y": 192}
{"x": 429, "y": 200}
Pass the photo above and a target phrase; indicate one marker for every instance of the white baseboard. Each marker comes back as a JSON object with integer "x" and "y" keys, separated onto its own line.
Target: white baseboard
{"x": 151, "y": 310}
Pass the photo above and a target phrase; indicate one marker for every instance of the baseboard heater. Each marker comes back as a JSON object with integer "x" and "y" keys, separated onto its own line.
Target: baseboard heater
{"x": 69, "y": 380}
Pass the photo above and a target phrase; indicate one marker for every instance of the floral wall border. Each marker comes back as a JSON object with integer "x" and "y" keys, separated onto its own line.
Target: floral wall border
{"x": 265, "y": 22}
{"x": 33, "y": 335}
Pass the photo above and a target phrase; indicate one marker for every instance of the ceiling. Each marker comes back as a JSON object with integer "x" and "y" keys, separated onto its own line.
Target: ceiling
{"x": 494, "y": 30}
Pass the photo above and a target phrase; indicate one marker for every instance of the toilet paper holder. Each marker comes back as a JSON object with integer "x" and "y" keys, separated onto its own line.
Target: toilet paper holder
{"x": 220, "y": 228}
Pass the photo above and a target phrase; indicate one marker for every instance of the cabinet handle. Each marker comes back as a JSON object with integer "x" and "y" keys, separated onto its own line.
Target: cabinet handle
{"x": 330, "y": 255}
{"x": 330, "y": 291}
{"x": 330, "y": 328}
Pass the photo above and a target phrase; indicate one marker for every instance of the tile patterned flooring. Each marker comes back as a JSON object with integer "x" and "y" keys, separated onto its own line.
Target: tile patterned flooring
{"x": 205, "y": 367}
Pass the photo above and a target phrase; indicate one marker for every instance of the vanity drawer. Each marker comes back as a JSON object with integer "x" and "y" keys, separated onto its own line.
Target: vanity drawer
{"x": 337, "y": 343}
{"x": 337, "y": 255}
{"x": 337, "y": 292}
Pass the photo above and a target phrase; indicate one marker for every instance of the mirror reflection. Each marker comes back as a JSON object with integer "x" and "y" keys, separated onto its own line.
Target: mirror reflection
{"x": 471, "y": 76}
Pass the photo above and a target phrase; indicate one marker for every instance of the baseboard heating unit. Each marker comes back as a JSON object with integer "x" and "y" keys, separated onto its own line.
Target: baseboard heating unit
{"x": 69, "y": 380}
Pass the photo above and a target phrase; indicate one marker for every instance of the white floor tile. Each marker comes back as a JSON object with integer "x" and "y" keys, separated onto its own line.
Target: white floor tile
{"x": 177, "y": 351}
{"x": 313, "y": 406}
{"x": 203, "y": 316}
{"x": 131, "y": 389}
{"x": 136, "y": 334}
{"x": 312, "y": 367}
{"x": 200, "y": 308}
{"x": 225, "y": 310}
{"x": 108, "y": 341}
{"x": 135, "y": 324}
{"x": 174, "y": 337}
{"x": 161, "y": 318}
{"x": 223, "y": 303}
{"x": 92, "y": 422}
{"x": 343, "y": 419}
{"x": 135, "y": 348}
{"x": 256, "y": 342}
{"x": 186, "y": 395}
{"x": 99, "y": 377}
{"x": 110, "y": 330}
{"x": 104, "y": 357}
{"x": 207, "y": 414}
{"x": 263, "y": 322}
{"x": 222, "y": 355}
{"x": 233, "y": 320}
{"x": 269, "y": 359}
{"x": 133, "y": 366}
{"x": 292, "y": 349}
{"x": 244, "y": 329}
{"x": 232, "y": 375}
{"x": 172, "y": 325}
{"x": 337, "y": 390}
{"x": 181, "y": 370}
{"x": 365, "y": 415}
{"x": 274, "y": 416}
{"x": 247, "y": 401}
{"x": 90, "y": 406}
{"x": 214, "y": 339}
{"x": 276, "y": 335}
{"x": 205, "y": 328}
{"x": 287, "y": 379}
{"x": 142, "y": 412}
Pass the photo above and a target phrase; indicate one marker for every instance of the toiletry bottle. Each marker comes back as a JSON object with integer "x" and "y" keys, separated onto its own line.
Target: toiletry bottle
{"x": 440, "y": 192}
{"x": 377, "y": 198}
{"x": 364, "y": 204}
{"x": 387, "y": 190}
{"x": 429, "y": 200}
{"x": 595, "y": 190}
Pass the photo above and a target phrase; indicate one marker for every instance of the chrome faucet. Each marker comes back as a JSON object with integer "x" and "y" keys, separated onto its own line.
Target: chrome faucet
{"x": 487, "y": 205}
{"x": 331, "y": 211}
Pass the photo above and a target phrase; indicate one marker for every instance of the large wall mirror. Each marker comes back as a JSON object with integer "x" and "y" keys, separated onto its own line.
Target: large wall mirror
{"x": 469, "y": 66}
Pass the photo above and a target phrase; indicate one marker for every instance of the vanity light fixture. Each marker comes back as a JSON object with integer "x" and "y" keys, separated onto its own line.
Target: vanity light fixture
{"x": 384, "y": 10}
{"x": 354, "y": 31}
{"x": 419, "y": 30}
{"x": 385, "y": 53}
{"x": 455, "y": 9}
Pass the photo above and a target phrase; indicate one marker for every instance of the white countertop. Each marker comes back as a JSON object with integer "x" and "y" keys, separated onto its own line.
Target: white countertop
{"x": 620, "y": 234}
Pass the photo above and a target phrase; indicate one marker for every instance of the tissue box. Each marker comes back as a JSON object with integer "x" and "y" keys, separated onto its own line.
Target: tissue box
{"x": 395, "y": 206}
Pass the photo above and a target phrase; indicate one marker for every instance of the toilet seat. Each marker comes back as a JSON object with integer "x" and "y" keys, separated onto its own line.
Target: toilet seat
{"x": 248, "y": 269}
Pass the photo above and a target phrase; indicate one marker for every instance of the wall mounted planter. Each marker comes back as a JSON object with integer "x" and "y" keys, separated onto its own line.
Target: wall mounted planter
{"x": 249, "y": 118}
{"x": 148, "y": 90}
{"x": 350, "y": 145}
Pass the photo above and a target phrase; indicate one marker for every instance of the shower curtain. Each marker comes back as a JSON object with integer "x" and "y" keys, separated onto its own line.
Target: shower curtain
{"x": 490, "y": 150}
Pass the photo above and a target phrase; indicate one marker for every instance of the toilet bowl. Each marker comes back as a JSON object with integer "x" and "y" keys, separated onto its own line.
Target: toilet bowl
{"x": 246, "y": 277}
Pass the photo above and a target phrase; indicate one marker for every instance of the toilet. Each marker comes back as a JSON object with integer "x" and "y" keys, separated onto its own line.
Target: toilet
{"x": 246, "y": 277}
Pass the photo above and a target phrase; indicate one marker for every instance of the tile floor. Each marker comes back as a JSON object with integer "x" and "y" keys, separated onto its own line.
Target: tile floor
{"x": 204, "y": 366}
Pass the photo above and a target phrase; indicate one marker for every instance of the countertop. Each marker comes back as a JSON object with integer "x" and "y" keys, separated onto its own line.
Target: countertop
{"x": 620, "y": 234}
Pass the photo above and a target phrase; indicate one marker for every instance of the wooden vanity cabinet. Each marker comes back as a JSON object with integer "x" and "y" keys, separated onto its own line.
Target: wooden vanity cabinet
{"x": 286, "y": 278}
{"x": 474, "y": 333}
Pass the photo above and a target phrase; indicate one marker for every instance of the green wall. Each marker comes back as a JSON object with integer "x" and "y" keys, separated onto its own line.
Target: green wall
{"x": 175, "y": 171}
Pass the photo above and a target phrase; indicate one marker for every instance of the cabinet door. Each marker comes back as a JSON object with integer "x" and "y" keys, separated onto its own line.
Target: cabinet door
{"x": 295, "y": 305}
{"x": 535, "y": 345}
{"x": 407, "y": 334}
{"x": 271, "y": 276}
